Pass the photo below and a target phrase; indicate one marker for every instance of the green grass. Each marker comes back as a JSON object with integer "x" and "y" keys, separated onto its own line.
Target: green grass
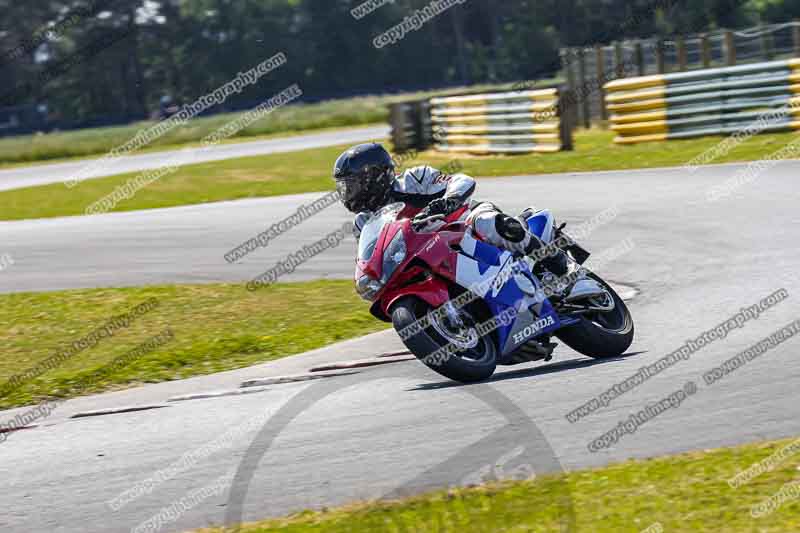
{"x": 155, "y": 147}
{"x": 684, "y": 493}
{"x": 310, "y": 171}
{"x": 271, "y": 175}
{"x": 285, "y": 121}
{"x": 595, "y": 151}
{"x": 299, "y": 118}
{"x": 216, "y": 327}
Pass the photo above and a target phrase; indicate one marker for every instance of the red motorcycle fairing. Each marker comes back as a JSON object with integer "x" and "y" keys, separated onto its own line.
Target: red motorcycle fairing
{"x": 429, "y": 266}
{"x": 425, "y": 273}
{"x": 433, "y": 291}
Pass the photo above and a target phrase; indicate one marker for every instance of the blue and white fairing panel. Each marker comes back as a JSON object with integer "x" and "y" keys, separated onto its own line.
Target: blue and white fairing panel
{"x": 479, "y": 269}
{"x": 542, "y": 224}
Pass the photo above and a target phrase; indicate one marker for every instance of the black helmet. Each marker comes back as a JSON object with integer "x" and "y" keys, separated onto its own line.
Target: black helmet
{"x": 364, "y": 177}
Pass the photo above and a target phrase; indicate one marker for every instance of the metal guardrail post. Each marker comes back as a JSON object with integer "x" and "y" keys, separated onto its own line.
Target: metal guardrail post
{"x": 567, "y": 58}
{"x": 566, "y": 65}
{"x": 582, "y": 93}
{"x": 705, "y": 50}
{"x": 730, "y": 49}
{"x": 660, "y": 56}
{"x": 681, "y": 45}
{"x": 567, "y": 117}
{"x": 639, "y": 56}
{"x": 796, "y": 37}
{"x": 619, "y": 60}
{"x": 569, "y": 61}
{"x": 600, "y": 62}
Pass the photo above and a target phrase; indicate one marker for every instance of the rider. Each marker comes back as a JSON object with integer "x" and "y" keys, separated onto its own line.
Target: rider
{"x": 366, "y": 181}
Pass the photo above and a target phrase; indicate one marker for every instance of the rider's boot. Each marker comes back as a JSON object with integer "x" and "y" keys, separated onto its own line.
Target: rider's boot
{"x": 549, "y": 256}
{"x": 553, "y": 268}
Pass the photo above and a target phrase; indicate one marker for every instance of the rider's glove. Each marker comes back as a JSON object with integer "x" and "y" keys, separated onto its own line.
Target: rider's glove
{"x": 436, "y": 210}
{"x": 443, "y": 206}
{"x": 440, "y": 207}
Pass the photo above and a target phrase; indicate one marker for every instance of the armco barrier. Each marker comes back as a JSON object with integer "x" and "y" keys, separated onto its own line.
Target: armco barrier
{"x": 705, "y": 102}
{"x": 513, "y": 122}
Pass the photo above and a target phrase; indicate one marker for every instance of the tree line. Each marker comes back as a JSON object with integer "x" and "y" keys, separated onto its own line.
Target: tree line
{"x": 186, "y": 48}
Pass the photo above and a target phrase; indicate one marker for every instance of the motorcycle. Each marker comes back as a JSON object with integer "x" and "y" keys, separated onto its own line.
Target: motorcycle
{"x": 463, "y": 306}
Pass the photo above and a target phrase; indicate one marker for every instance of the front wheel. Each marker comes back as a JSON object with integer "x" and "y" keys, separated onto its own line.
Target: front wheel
{"x": 448, "y": 344}
{"x": 601, "y": 334}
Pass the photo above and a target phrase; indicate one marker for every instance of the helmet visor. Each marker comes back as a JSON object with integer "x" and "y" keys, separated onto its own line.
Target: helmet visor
{"x": 351, "y": 191}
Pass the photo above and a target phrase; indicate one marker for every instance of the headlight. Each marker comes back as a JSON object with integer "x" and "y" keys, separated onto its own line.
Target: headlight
{"x": 368, "y": 288}
{"x": 394, "y": 254}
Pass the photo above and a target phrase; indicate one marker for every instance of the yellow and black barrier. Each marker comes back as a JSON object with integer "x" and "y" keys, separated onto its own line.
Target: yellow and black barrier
{"x": 706, "y": 102}
{"x": 514, "y": 122}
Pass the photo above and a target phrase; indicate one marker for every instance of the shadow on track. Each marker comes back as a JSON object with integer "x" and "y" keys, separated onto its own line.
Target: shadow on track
{"x": 572, "y": 364}
{"x": 517, "y": 447}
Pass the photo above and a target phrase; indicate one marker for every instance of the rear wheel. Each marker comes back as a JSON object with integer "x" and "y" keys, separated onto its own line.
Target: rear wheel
{"x": 450, "y": 343}
{"x": 601, "y": 334}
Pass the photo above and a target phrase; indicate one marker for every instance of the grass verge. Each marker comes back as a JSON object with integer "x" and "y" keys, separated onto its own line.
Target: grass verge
{"x": 216, "y": 327}
{"x": 285, "y": 121}
{"x": 309, "y": 171}
{"x": 683, "y": 493}
{"x": 250, "y": 177}
{"x": 286, "y": 134}
{"x": 357, "y": 111}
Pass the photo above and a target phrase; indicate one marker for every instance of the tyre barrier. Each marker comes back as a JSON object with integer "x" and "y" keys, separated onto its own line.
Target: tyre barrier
{"x": 411, "y": 126}
{"x": 716, "y": 101}
{"x": 505, "y": 123}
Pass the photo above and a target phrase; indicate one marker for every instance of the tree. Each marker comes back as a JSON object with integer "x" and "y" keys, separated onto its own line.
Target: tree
{"x": 186, "y": 48}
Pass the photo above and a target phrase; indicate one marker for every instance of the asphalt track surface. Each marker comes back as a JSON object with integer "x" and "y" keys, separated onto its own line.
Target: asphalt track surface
{"x": 402, "y": 427}
{"x": 29, "y": 176}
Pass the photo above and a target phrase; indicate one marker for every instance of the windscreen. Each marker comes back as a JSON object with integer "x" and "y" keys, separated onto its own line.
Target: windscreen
{"x": 372, "y": 229}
